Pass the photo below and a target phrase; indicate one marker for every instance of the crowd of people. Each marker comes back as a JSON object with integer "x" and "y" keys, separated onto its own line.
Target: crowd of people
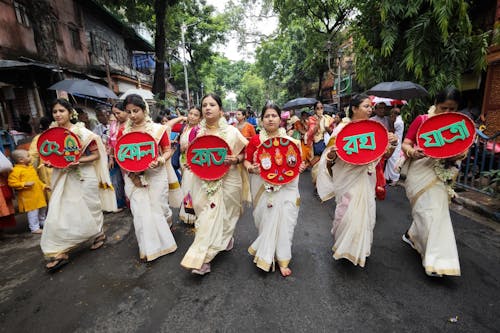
{"x": 78, "y": 195}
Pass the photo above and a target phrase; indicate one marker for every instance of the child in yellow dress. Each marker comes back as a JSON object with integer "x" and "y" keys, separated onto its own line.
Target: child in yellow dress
{"x": 30, "y": 190}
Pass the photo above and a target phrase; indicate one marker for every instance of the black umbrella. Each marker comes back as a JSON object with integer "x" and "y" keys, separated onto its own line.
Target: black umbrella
{"x": 299, "y": 103}
{"x": 84, "y": 87}
{"x": 398, "y": 90}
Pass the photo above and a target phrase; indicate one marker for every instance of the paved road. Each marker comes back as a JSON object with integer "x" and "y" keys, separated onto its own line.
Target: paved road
{"x": 109, "y": 290}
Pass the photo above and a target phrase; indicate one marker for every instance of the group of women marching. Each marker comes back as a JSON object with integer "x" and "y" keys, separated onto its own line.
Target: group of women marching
{"x": 215, "y": 206}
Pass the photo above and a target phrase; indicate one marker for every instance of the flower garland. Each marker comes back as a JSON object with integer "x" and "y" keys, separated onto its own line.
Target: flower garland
{"x": 263, "y": 135}
{"x": 148, "y": 126}
{"x": 447, "y": 172}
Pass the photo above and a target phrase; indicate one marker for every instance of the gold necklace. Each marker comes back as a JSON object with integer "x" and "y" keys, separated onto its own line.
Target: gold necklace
{"x": 211, "y": 126}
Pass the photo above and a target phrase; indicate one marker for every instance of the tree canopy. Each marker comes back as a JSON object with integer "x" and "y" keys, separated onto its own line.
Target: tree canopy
{"x": 431, "y": 42}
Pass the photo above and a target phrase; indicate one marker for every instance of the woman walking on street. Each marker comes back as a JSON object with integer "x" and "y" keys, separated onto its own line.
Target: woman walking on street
{"x": 186, "y": 213}
{"x": 318, "y": 125}
{"x": 218, "y": 203}
{"x": 80, "y": 193}
{"x": 353, "y": 187}
{"x": 243, "y": 126}
{"x": 428, "y": 187}
{"x": 148, "y": 190}
{"x": 114, "y": 170}
{"x": 276, "y": 208}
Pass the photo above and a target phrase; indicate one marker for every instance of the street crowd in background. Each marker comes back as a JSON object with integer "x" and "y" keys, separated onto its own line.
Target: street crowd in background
{"x": 77, "y": 196}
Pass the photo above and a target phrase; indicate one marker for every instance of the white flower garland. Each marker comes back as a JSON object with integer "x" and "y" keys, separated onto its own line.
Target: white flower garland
{"x": 212, "y": 186}
{"x": 447, "y": 174}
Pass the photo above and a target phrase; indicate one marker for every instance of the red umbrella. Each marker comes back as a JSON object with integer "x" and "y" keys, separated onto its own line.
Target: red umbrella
{"x": 387, "y": 101}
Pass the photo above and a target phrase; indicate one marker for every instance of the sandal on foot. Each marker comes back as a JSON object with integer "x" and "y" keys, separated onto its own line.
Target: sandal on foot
{"x": 98, "y": 242}
{"x": 59, "y": 262}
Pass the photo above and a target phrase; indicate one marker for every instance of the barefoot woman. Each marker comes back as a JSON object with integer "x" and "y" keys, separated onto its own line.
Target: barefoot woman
{"x": 276, "y": 208}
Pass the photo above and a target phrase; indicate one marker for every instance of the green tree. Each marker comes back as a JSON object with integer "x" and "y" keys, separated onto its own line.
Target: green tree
{"x": 251, "y": 91}
{"x": 152, "y": 13}
{"x": 322, "y": 22}
{"x": 431, "y": 42}
{"x": 204, "y": 30}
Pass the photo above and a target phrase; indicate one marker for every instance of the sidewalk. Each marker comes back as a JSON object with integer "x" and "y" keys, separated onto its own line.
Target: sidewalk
{"x": 483, "y": 204}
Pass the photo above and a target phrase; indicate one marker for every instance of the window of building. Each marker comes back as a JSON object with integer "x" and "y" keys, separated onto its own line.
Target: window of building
{"x": 55, "y": 32}
{"x": 21, "y": 15}
{"x": 75, "y": 38}
{"x": 78, "y": 14}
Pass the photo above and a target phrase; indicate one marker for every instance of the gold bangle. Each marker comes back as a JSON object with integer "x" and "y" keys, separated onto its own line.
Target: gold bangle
{"x": 331, "y": 159}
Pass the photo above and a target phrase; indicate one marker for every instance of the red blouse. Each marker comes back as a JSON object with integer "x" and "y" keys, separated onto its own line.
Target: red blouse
{"x": 251, "y": 148}
{"x": 415, "y": 125}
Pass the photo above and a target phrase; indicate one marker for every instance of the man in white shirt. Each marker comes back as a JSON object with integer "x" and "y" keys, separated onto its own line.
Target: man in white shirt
{"x": 380, "y": 115}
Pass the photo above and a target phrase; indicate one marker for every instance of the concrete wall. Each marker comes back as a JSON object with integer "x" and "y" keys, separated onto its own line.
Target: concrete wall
{"x": 70, "y": 18}
{"x": 15, "y": 38}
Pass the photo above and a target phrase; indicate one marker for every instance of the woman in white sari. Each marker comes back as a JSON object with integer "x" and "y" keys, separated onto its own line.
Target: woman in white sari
{"x": 353, "y": 187}
{"x": 218, "y": 204}
{"x": 429, "y": 188}
{"x": 79, "y": 194}
{"x": 186, "y": 210}
{"x": 276, "y": 208}
{"x": 148, "y": 190}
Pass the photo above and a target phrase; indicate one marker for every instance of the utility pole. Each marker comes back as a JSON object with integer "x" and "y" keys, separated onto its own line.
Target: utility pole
{"x": 183, "y": 32}
{"x": 340, "y": 53}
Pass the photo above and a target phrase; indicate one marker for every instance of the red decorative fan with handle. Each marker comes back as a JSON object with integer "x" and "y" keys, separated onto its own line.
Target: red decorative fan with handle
{"x": 446, "y": 135}
{"x": 135, "y": 151}
{"x": 279, "y": 160}
{"x": 59, "y": 147}
{"x": 206, "y": 155}
{"x": 362, "y": 142}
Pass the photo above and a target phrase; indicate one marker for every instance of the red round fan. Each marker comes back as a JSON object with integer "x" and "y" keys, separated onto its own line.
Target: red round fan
{"x": 135, "y": 151}
{"x": 279, "y": 160}
{"x": 59, "y": 147}
{"x": 206, "y": 155}
{"x": 362, "y": 142}
{"x": 446, "y": 135}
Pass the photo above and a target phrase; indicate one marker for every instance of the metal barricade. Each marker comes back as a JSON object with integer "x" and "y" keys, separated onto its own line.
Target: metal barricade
{"x": 477, "y": 171}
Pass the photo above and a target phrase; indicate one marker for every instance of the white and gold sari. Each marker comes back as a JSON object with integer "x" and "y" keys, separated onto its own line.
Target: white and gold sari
{"x": 431, "y": 230}
{"x": 353, "y": 187}
{"x": 79, "y": 196}
{"x": 187, "y": 182}
{"x": 218, "y": 204}
{"x": 275, "y": 215}
{"x": 149, "y": 206}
